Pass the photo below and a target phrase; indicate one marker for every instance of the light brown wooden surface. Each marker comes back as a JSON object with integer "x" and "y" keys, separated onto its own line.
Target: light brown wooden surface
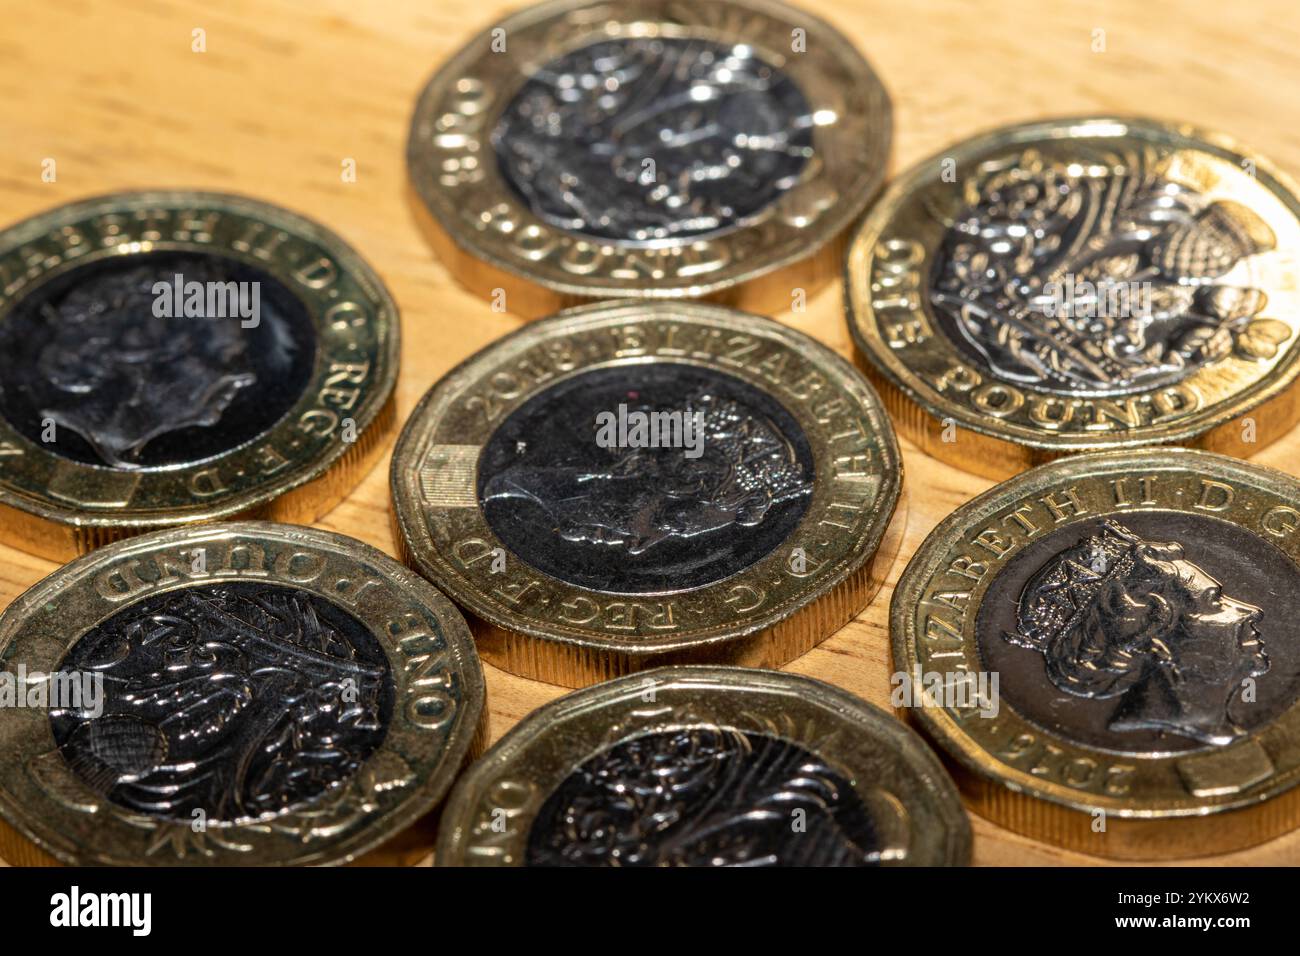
{"x": 287, "y": 91}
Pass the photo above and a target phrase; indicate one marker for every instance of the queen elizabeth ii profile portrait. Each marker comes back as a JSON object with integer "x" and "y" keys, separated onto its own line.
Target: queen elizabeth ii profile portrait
{"x": 634, "y": 499}
{"x": 104, "y": 367}
{"x": 1120, "y": 617}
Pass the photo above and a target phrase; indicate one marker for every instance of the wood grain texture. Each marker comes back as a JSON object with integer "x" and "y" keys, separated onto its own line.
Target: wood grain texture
{"x": 286, "y": 91}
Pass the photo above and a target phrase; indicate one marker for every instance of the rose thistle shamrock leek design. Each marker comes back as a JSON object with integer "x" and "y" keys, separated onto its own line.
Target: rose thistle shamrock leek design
{"x": 1101, "y": 275}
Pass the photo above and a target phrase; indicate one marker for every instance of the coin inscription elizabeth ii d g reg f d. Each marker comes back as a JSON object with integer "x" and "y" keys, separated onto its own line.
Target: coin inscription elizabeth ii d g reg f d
{"x": 623, "y": 485}
{"x": 259, "y": 384}
{"x": 582, "y": 150}
{"x": 1082, "y": 285}
{"x": 1139, "y": 610}
{"x": 232, "y": 694}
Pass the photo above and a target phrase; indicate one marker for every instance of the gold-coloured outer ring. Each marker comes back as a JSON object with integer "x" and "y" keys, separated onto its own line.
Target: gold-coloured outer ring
{"x": 492, "y": 242}
{"x": 1047, "y": 810}
{"x": 438, "y": 725}
{"x": 888, "y": 765}
{"x": 521, "y": 616}
{"x": 298, "y": 469}
{"x": 953, "y": 432}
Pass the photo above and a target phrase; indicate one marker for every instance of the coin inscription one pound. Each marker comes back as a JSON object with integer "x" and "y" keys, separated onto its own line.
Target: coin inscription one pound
{"x": 1081, "y": 285}
{"x": 247, "y": 693}
{"x": 648, "y": 149}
